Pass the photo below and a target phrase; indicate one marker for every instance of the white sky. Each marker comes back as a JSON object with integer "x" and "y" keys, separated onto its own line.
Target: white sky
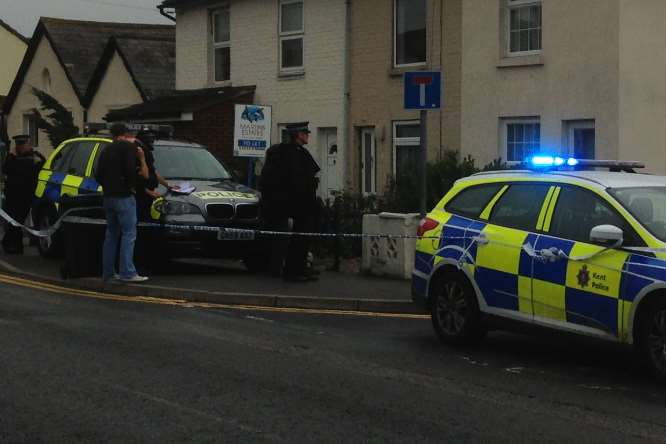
{"x": 23, "y": 15}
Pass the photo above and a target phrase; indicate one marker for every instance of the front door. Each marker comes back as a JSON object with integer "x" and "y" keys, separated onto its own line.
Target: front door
{"x": 330, "y": 161}
{"x": 580, "y": 288}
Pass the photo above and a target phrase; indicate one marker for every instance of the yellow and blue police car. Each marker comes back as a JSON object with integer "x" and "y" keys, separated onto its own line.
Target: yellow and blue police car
{"x": 561, "y": 244}
{"x": 217, "y": 200}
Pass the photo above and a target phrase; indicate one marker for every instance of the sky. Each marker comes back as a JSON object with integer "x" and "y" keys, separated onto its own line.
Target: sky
{"x": 23, "y": 15}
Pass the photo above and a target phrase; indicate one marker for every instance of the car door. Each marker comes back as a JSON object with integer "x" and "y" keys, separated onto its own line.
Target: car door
{"x": 76, "y": 168}
{"x": 579, "y": 287}
{"x": 503, "y": 270}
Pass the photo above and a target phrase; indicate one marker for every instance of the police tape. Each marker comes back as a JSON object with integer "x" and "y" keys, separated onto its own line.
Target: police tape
{"x": 224, "y": 232}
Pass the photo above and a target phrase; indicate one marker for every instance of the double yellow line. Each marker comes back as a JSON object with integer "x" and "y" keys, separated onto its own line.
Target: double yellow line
{"x": 74, "y": 292}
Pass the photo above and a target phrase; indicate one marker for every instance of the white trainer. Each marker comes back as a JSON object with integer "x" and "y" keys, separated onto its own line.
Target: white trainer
{"x": 134, "y": 279}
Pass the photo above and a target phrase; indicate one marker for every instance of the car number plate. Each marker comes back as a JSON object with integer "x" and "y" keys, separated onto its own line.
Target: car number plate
{"x": 235, "y": 235}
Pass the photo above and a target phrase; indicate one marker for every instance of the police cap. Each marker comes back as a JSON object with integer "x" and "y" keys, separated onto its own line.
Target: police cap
{"x": 299, "y": 127}
{"x": 21, "y": 139}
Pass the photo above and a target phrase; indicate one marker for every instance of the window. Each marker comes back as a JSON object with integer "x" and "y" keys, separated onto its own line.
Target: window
{"x": 580, "y": 138}
{"x": 73, "y": 158}
{"x": 368, "y": 168}
{"x": 291, "y": 35}
{"x": 221, "y": 44}
{"x": 30, "y": 128}
{"x": 406, "y": 145}
{"x": 409, "y": 32}
{"x": 78, "y": 160}
{"x": 471, "y": 201}
{"x": 61, "y": 159}
{"x": 522, "y": 138}
{"x": 578, "y": 211}
{"x": 647, "y": 205}
{"x": 46, "y": 81}
{"x": 524, "y": 26}
{"x": 519, "y": 206}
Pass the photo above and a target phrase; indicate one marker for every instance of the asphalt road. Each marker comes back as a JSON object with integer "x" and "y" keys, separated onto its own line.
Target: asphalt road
{"x": 75, "y": 369}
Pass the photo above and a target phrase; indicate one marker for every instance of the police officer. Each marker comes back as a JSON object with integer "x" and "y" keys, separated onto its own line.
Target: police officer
{"x": 21, "y": 169}
{"x": 289, "y": 191}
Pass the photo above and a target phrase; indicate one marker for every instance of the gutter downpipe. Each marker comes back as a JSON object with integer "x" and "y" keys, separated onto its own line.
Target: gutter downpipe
{"x": 346, "y": 85}
{"x": 165, "y": 14}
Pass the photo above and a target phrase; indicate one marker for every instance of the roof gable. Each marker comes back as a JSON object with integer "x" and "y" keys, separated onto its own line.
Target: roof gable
{"x": 14, "y": 32}
{"x": 81, "y": 48}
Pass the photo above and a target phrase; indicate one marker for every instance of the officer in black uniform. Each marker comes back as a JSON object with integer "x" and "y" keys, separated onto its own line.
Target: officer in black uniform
{"x": 289, "y": 190}
{"x": 21, "y": 169}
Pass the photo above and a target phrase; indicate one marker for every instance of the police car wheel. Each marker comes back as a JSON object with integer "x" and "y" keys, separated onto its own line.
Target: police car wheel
{"x": 455, "y": 311}
{"x": 652, "y": 340}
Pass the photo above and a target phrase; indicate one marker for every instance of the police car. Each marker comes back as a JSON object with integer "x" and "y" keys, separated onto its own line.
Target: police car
{"x": 216, "y": 201}
{"x": 561, "y": 245}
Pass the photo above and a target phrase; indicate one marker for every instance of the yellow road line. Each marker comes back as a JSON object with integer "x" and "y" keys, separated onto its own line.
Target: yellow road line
{"x": 21, "y": 282}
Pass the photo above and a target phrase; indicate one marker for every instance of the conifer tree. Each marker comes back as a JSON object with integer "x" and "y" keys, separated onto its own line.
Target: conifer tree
{"x": 58, "y": 123}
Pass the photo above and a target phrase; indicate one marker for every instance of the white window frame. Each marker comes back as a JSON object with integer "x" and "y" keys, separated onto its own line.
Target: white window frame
{"x": 517, "y": 4}
{"x": 504, "y": 133}
{"x": 403, "y": 141}
{"x": 364, "y": 166}
{"x": 395, "y": 40}
{"x": 291, "y": 35}
{"x": 219, "y": 45}
{"x": 30, "y": 128}
{"x": 570, "y": 126}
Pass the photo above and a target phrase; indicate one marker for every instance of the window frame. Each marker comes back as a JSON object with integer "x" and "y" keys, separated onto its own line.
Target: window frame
{"x": 504, "y": 133}
{"x": 291, "y": 35}
{"x": 395, "y": 39}
{"x": 404, "y": 141}
{"x": 219, "y": 45}
{"x": 571, "y": 126}
{"x": 518, "y": 4}
{"x": 609, "y": 204}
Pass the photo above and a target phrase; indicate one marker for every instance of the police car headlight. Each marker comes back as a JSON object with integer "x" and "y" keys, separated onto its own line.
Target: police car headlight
{"x": 175, "y": 208}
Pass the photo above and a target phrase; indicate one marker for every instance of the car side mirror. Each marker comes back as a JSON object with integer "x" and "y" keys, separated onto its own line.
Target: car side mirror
{"x": 608, "y": 235}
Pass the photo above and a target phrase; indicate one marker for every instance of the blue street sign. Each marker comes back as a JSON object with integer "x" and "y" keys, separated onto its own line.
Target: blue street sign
{"x": 423, "y": 90}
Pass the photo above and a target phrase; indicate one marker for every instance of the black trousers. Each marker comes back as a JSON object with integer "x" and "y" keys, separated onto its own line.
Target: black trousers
{"x": 296, "y": 263}
{"x": 12, "y": 242}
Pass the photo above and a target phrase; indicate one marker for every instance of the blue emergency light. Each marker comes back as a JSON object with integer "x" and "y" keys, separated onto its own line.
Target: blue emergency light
{"x": 543, "y": 161}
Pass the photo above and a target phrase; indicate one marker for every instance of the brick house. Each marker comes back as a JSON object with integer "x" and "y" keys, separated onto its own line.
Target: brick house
{"x": 291, "y": 51}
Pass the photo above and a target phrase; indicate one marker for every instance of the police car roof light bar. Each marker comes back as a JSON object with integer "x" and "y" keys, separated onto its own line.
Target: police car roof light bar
{"x": 545, "y": 162}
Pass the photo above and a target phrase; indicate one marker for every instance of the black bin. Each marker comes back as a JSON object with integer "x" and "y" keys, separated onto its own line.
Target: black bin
{"x": 83, "y": 241}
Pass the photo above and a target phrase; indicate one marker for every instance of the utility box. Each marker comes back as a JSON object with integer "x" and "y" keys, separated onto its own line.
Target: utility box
{"x": 389, "y": 256}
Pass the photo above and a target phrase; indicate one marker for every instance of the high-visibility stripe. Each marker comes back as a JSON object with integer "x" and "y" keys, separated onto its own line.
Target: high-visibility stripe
{"x": 91, "y": 160}
{"x": 544, "y": 208}
{"x": 551, "y": 208}
{"x": 489, "y": 208}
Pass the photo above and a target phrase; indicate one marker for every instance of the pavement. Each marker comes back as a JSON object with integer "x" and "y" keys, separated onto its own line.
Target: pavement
{"x": 227, "y": 282}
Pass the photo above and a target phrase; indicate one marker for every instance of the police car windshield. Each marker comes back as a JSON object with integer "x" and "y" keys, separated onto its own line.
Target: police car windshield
{"x": 647, "y": 204}
{"x": 188, "y": 163}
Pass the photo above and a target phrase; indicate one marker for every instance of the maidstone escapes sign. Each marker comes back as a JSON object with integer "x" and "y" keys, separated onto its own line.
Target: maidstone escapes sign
{"x": 252, "y": 130}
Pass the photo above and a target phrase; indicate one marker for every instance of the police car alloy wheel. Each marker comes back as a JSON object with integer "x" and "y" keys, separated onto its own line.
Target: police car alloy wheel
{"x": 454, "y": 310}
{"x": 652, "y": 339}
{"x": 48, "y": 247}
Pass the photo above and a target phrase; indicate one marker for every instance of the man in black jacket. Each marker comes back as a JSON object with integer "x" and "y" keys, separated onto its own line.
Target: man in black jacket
{"x": 117, "y": 173}
{"x": 21, "y": 169}
{"x": 289, "y": 190}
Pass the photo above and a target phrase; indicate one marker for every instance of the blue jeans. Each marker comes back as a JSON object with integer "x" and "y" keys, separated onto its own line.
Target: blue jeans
{"x": 120, "y": 229}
